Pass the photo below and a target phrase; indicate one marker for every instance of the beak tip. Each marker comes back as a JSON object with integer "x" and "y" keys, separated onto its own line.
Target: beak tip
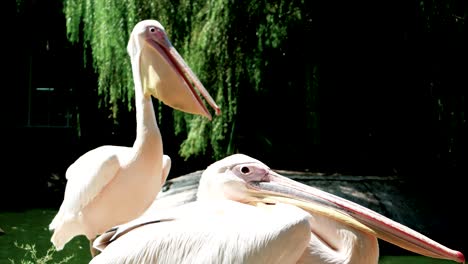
{"x": 208, "y": 115}
{"x": 460, "y": 257}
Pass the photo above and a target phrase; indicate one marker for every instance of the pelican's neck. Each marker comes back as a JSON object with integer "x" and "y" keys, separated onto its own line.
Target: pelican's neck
{"x": 146, "y": 123}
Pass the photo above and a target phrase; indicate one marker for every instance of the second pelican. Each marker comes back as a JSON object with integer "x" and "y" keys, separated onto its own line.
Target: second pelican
{"x": 247, "y": 213}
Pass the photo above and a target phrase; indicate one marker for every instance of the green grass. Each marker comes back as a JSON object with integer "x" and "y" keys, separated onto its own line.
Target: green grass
{"x": 30, "y": 228}
{"x": 412, "y": 260}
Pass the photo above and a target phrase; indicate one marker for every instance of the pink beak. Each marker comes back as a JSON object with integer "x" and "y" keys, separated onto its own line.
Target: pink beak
{"x": 275, "y": 187}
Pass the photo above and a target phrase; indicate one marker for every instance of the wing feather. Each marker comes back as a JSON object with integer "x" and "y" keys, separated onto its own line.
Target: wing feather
{"x": 86, "y": 177}
{"x": 213, "y": 232}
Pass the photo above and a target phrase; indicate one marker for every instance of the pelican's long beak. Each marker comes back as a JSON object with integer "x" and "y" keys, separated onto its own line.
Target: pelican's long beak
{"x": 277, "y": 188}
{"x": 166, "y": 76}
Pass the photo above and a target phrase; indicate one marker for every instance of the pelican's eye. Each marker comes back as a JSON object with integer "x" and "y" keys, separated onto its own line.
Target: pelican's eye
{"x": 250, "y": 172}
{"x": 152, "y": 29}
{"x": 245, "y": 170}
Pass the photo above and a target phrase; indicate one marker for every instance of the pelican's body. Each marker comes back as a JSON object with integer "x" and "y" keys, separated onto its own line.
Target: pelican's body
{"x": 212, "y": 232}
{"x": 111, "y": 185}
{"x": 122, "y": 179}
{"x": 246, "y": 213}
{"x": 224, "y": 231}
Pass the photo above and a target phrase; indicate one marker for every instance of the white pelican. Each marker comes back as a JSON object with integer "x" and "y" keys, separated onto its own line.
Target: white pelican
{"x": 246, "y": 213}
{"x": 112, "y": 185}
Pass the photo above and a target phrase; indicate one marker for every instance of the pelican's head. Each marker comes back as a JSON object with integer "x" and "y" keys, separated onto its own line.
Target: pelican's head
{"x": 247, "y": 180}
{"x": 163, "y": 73}
{"x": 226, "y": 178}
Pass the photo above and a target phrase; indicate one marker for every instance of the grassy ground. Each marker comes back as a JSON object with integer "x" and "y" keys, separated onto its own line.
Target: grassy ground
{"x": 31, "y": 227}
{"x": 411, "y": 260}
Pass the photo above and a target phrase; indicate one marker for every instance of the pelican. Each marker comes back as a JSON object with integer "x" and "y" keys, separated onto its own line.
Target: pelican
{"x": 247, "y": 213}
{"x": 112, "y": 185}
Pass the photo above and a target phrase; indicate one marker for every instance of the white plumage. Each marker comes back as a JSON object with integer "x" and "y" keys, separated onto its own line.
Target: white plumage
{"x": 247, "y": 213}
{"x": 111, "y": 185}
{"x": 212, "y": 232}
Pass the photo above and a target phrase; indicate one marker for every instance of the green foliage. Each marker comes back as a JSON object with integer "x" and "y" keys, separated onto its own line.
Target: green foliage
{"x": 105, "y": 27}
{"x": 250, "y": 55}
{"x": 223, "y": 41}
{"x": 226, "y": 49}
{"x": 19, "y": 5}
{"x": 438, "y": 14}
{"x": 31, "y": 257}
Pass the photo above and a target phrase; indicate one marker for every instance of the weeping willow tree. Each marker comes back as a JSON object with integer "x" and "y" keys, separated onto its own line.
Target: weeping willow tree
{"x": 223, "y": 41}
{"x": 296, "y": 76}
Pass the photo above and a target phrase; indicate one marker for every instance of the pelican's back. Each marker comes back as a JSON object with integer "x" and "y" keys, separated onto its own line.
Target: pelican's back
{"x": 211, "y": 232}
